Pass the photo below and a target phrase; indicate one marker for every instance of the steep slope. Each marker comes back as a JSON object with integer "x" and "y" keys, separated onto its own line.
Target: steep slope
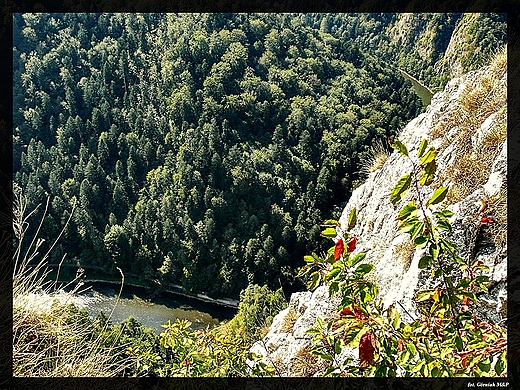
{"x": 467, "y": 124}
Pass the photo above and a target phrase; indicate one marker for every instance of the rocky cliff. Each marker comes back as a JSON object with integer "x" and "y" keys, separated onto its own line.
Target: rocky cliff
{"x": 467, "y": 124}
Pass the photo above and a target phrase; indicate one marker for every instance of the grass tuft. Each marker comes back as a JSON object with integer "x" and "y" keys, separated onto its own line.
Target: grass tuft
{"x": 289, "y": 321}
{"x": 404, "y": 252}
{"x": 305, "y": 364}
{"x": 51, "y": 342}
{"x": 377, "y": 157}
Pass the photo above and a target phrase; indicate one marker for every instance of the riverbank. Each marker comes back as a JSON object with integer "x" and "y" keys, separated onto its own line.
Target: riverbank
{"x": 132, "y": 280}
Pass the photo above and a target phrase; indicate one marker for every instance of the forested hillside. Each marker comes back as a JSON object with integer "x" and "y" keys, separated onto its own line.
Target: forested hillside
{"x": 204, "y": 149}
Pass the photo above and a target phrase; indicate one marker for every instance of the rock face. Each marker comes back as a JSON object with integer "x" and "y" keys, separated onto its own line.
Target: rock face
{"x": 395, "y": 261}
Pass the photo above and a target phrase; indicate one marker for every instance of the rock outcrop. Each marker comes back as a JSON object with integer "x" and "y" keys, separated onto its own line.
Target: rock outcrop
{"x": 459, "y": 129}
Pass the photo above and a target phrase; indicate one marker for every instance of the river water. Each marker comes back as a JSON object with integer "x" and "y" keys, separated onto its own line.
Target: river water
{"x": 99, "y": 297}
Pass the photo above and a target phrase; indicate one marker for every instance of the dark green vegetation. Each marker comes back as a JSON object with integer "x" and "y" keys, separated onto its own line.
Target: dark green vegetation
{"x": 204, "y": 150}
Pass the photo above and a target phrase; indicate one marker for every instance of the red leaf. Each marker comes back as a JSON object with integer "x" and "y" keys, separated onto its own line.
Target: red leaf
{"x": 352, "y": 244}
{"x": 486, "y": 220}
{"x": 346, "y": 312}
{"x": 465, "y": 356}
{"x": 400, "y": 345}
{"x": 360, "y": 315}
{"x": 366, "y": 350}
{"x": 340, "y": 248}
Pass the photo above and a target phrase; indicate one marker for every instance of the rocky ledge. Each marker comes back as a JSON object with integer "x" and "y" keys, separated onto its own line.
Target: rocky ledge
{"x": 396, "y": 270}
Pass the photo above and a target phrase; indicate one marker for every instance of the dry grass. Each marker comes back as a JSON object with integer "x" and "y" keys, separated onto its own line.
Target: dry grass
{"x": 289, "y": 321}
{"x": 49, "y": 342}
{"x": 305, "y": 364}
{"x": 472, "y": 168}
{"x": 404, "y": 252}
{"x": 477, "y": 102}
{"x": 378, "y": 155}
{"x": 497, "y": 209}
{"x": 278, "y": 365}
{"x": 47, "y": 345}
{"x": 473, "y": 162}
{"x": 263, "y": 330}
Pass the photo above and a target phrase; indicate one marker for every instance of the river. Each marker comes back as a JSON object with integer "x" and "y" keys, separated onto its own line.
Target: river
{"x": 99, "y": 297}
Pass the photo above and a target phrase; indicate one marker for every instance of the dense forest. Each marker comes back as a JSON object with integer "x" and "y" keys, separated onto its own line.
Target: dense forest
{"x": 205, "y": 149}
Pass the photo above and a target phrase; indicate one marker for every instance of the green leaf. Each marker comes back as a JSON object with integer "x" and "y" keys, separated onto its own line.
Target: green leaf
{"x": 331, "y": 222}
{"x": 366, "y": 295}
{"x": 329, "y": 371}
{"x": 354, "y": 333}
{"x": 434, "y": 251}
{"x": 394, "y": 317}
{"x": 401, "y": 188}
{"x": 438, "y": 196}
{"x": 429, "y": 156}
{"x": 352, "y": 218}
{"x": 329, "y": 232}
{"x": 372, "y": 289}
{"x": 332, "y": 274}
{"x": 424, "y": 295}
{"x": 324, "y": 355}
{"x": 449, "y": 245}
{"x": 364, "y": 269}
{"x": 422, "y": 148}
{"x": 463, "y": 283}
{"x": 421, "y": 241}
{"x": 425, "y": 261}
{"x": 400, "y": 147}
{"x": 409, "y": 210}
{"x": 408, "y": 225}
{"x": 316, "y": 257}
{"x": 337, "y": 346}
{"x": 313, "y": 331}
{"x": 308, "y": 259}
{"x": 428, "y": 174}
{"x": 320, "y": 323}
{"x": 356, "y": 259}
{"x": 435, "y": 372}
{"x": 418, "y": 366}
{"x": 315, "y": 281}
{"x": 480, "y": 280}
{"x": 416, "y": 230}
{"x": 459, "y": 343}
{"x": 403, "y": 359}
{"x": 484, "y": 365}
{"x": 447, "y": 213}
{"x": 411, "y": 347}
{"x": 333, "y": 288}
{"x": 501, "y": 363}
{"x": 444, "y": 224}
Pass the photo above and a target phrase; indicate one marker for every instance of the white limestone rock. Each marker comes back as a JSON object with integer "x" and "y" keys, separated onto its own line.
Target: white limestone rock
{"x": 396, "y": 271}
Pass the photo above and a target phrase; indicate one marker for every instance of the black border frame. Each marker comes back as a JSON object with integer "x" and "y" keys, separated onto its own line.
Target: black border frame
{"x": 6, "y": 122}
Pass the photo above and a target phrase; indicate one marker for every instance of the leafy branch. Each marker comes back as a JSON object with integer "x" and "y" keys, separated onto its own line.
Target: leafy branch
{"x": 448, "y": 339}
